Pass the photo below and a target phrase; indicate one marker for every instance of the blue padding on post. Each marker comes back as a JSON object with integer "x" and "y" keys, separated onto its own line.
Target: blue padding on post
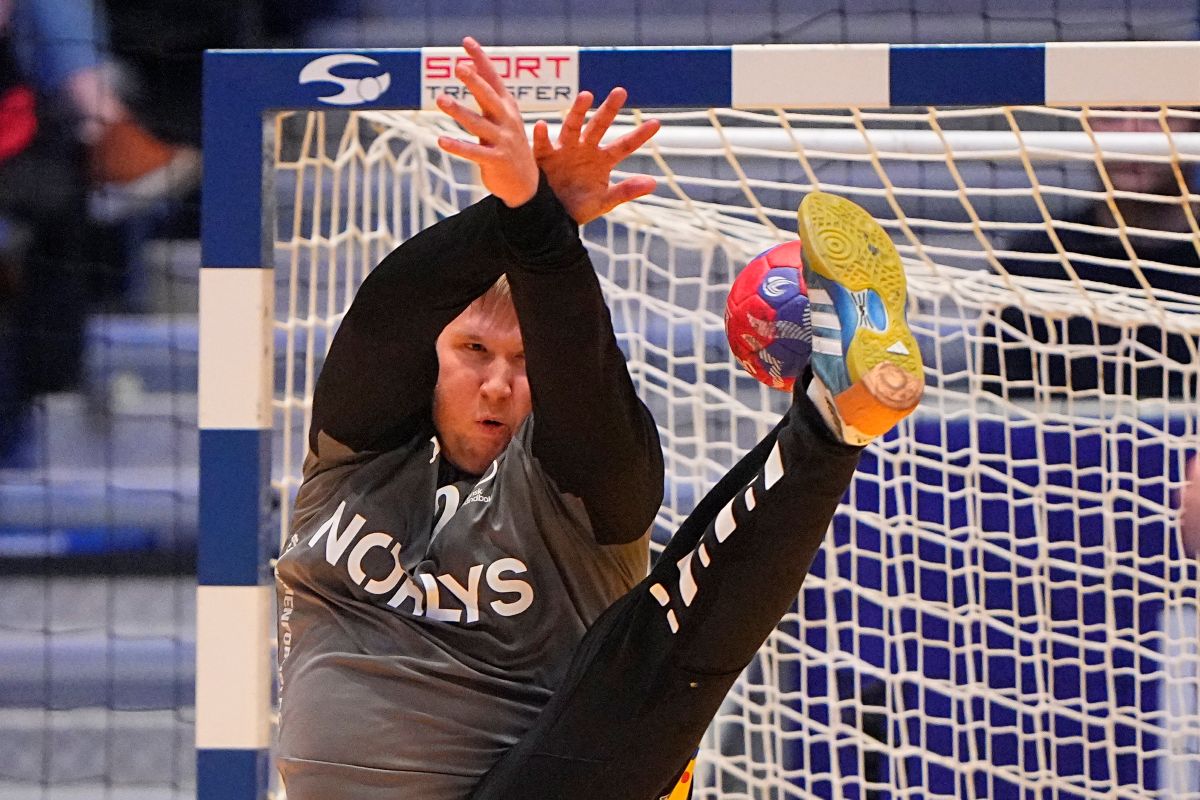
{"x": 231, "y": 197}
{"x": 232, "y": 774}
{"x": 682, "y": 76}
{"x": 235, "y": 472}
{"x": 967, "y": 75}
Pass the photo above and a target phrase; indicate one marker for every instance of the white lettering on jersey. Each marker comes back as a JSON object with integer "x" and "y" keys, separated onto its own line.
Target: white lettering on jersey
{"x": 409, "y": 591}
{"x": 433, "y": 598}
{"x": 469, "y": 595}
{"x": 377, "y": 539}
{"x": 285, "y": 620}
{"x": 285, "y": 632}
{"x": 337, "y": 543}
{"x": 424, "y": 590}
{"x": 447, "y": 497}
{"x": 521, "y": 588}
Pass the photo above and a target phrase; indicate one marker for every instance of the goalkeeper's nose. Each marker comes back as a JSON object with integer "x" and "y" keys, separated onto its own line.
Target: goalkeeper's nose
{"x": 498, "y": 378}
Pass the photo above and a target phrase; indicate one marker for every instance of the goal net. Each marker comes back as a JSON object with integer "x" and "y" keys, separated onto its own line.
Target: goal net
{"x": 1003, "y": 607}
{"x": 985, "y": 619}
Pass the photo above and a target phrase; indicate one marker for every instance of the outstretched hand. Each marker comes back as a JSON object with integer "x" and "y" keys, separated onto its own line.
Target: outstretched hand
{"x": 578, "y": 167}
{"x": 506, "y": 164}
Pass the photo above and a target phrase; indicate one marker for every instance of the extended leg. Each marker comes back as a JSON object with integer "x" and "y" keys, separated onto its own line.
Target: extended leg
{"x": 653, "y": 670}
{"x": 655, "y": 667}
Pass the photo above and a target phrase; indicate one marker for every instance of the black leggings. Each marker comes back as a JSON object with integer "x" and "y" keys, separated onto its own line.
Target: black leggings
{"x": 652, "y": 672}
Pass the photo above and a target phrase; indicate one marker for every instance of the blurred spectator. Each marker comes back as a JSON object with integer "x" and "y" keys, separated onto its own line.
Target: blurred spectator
{"x": 161, "y": 43}
{"x": 64, "y": 49}
{"x": 62, "y": 125}
{"x": 1166, "y": 213}
{"x": 42, "y": 278}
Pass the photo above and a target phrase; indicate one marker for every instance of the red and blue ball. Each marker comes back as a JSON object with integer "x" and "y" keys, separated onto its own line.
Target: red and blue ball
{"x": 768, "y": 319}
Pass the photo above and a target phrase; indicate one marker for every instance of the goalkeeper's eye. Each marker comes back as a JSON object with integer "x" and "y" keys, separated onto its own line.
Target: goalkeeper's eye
{"x": 476, "y": 347}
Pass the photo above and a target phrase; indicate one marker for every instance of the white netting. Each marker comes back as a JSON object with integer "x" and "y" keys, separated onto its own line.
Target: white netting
{"x": 990, "y": 615}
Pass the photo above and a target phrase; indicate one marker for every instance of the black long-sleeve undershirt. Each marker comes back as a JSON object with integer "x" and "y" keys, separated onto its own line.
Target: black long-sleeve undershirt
{"x": 592, "y": 435}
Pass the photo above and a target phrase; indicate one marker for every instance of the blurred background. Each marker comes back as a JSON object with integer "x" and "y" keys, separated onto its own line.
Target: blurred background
{"x": 99, "y": 198}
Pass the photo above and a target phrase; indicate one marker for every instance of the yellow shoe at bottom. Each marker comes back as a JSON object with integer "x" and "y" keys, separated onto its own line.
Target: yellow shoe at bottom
{"x": 683, "y": 789}
{"x": 864, "y": 355}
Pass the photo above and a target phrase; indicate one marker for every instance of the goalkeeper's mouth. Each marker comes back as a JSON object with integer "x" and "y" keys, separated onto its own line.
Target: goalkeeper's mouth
{"x": 492, "y": 427}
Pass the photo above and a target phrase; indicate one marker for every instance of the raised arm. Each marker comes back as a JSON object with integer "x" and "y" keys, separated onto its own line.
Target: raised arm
{"x": 378, "y": 379}
{"x": 377, "y": 382}
{"x": 591, "y": 433}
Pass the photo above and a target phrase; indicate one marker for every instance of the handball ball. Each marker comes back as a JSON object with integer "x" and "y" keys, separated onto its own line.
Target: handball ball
{"x": 767, "y": 317}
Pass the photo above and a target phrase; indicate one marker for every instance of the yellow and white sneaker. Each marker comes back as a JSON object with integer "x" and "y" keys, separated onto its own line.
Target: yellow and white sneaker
{"x": 867, "y": 371}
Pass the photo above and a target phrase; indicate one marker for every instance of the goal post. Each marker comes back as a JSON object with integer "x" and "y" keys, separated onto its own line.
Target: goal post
{"x": 984, "y": 619}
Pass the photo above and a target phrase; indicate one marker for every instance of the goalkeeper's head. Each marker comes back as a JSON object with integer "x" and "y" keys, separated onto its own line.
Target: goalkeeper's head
{"x": 482, "y": 393}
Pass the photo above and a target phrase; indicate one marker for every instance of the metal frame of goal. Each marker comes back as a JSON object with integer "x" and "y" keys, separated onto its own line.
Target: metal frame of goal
{"x": 242, "y": 92}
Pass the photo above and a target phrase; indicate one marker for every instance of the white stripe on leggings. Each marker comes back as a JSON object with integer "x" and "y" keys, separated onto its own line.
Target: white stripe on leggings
{"x": 773, "y": 470}
{"x": 687, "y": 582}
{"x": 725, "y": 523}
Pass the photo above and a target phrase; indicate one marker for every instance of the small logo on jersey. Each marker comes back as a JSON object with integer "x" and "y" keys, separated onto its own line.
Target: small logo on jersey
{"x": 477, "y": 496}
{"x": 354, "y": 91}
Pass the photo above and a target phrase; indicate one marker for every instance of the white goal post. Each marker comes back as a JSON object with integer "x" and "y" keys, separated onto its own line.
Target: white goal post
{"x": 1003, "y": 606}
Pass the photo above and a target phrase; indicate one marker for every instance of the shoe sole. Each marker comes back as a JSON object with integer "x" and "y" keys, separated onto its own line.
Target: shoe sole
{"x": 845, "y": 245}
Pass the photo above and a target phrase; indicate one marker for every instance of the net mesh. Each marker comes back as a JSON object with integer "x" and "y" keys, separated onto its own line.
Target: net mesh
{"x": 1002, "y": 606}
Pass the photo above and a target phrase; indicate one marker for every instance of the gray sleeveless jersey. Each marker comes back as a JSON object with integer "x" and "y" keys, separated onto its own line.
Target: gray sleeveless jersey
{"x": 422, "y": 628}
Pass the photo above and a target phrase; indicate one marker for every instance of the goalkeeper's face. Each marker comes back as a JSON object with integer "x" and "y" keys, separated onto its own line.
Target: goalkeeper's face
{"x": 482, "y": 394}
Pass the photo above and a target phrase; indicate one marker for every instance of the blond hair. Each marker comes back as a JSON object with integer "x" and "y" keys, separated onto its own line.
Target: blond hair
{"x": 497, "y": 299}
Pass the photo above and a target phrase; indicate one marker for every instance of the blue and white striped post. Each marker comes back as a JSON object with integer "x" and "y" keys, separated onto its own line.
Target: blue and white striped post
{"x": 233, "y": 696}
{"x": 233, "y": 601}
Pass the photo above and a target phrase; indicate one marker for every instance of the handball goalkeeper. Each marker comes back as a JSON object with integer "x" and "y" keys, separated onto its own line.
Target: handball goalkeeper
{"x": 464, "y": 606}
